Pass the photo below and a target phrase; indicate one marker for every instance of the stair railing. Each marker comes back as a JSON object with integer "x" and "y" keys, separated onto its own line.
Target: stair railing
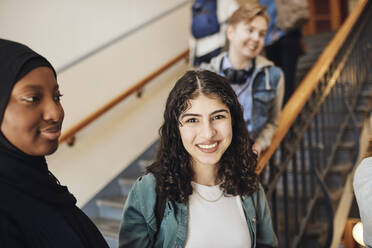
{"x": 312, "y": 140}
{"x": 69, "y": 135}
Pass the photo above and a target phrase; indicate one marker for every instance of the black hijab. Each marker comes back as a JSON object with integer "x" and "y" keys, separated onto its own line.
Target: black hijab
{"x": 30, "y": 174}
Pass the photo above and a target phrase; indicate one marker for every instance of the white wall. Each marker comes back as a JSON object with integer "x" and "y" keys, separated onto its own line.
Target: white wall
{"x": 65, "y": 30}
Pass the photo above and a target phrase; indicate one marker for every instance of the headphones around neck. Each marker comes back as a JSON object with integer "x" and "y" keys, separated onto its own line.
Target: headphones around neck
{"x": 239, "y": 76}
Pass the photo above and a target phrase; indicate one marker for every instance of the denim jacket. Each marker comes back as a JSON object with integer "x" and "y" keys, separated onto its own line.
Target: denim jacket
{"x": 263, "y": 93}
{"x": 138, "y": 227}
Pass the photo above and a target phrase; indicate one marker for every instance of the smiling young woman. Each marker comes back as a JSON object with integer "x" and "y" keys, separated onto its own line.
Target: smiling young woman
{"x": 33, "y": 118}
{"x": 203, "y": 178}
{"x": 35, "y": 210}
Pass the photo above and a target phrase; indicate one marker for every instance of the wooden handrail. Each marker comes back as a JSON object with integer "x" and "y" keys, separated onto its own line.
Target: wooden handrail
{"x": 70, "y": 133}
{"x": 303, "y": 92}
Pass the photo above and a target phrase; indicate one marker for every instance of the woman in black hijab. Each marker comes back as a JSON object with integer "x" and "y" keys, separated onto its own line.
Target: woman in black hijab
{"x": 35, "y": 210}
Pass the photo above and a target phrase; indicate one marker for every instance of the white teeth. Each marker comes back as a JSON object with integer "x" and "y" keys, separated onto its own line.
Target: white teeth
{"x": 208, "y": 146}
{"x": 252, "y": 46}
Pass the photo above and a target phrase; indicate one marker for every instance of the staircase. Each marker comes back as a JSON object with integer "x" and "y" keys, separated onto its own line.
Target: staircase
{"x": 314, "y": 46}
{"x": 105, "y": 209}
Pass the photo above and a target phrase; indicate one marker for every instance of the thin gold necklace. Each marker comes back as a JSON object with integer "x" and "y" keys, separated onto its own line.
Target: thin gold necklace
{"x": 205, "y": 199}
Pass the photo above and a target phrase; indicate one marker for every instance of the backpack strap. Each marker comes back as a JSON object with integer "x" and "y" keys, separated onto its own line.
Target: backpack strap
{"x": 254, "y": 205}
{"x": 159, "y": 211}
{"x": 255, "y": 208}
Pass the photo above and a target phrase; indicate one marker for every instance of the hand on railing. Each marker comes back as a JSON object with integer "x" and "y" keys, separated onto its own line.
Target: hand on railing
{"x": 257, "y": 149}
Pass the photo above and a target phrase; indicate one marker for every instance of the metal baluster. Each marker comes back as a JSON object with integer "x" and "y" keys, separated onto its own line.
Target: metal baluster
{"x": 328, "y": 112}
{"x": 295, "y": 190}
{"x": 356, "y": 80}
{"x": 317, "y": 142}
{"x": 285, "y": 203}
{"x": 339, "y": 103}
{"x": 333, "y": 112}
{"x": 311, "y": 160}
{"x": 323, "y": 130}
{"x": 304, "y": 177}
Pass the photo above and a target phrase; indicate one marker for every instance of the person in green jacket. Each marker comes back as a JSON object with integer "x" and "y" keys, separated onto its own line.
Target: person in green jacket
{"x": 202, "y": 189}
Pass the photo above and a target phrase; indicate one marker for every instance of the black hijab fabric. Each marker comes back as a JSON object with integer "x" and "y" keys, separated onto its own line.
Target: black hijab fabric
{"x": 30, "y": 174}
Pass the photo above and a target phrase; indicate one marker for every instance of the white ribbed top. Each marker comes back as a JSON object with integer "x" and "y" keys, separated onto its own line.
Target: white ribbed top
{"x": 215, "y": 220}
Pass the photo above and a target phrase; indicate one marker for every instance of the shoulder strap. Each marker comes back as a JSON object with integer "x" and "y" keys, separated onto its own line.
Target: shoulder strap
{"x": 254, "y": 205}
{"x": 159, "y": 209}
{"x": 255, "y": 208}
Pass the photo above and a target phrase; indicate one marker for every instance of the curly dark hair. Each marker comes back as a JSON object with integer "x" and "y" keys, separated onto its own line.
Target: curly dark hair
{"x": 172, "y": 168}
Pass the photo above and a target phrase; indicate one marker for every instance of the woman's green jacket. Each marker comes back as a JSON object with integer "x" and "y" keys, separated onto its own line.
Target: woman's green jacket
{"x": 138, "y": 227}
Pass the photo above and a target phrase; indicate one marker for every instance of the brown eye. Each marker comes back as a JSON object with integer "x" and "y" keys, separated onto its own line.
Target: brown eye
{"x": 32, "y": 99}
{"x": 218, "y": 117}
{"x": 191, "y": 120}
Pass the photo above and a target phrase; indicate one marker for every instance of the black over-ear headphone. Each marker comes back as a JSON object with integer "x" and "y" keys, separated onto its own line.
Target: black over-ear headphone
{"x": 239, "y": 76}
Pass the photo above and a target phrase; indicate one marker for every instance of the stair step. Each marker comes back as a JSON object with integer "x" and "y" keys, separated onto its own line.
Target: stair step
{"x": 314, "y": 229}
{"x": 348, "y": 126}
{"x": 334, "y": 193}
{"x": 366, "y": 93}
{"x": 143, "y": 163}
{"x": 315, "y": 234}
{"x": 345, "y": 152}
{"x": 347, "y": 145}
{"x": 111, "y": 207}
{"x": 126, "y": 185}
{"x": 337, "y": 176}
{"x": 341, "y": 168}
{"x": 363, "y": 109}
{"x": 112, "y": 201}
{"x": 109, "y": 229}
{"x": 313, "y": 53}
{"x": 305, "y": 65}
{"x": 320, "y": 212}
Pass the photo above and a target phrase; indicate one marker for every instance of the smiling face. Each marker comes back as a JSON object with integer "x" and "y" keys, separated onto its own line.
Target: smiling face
{"x": 206, "y": 130}
{"x": 33, "y": 117}
{"x": 247, "y": 38}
